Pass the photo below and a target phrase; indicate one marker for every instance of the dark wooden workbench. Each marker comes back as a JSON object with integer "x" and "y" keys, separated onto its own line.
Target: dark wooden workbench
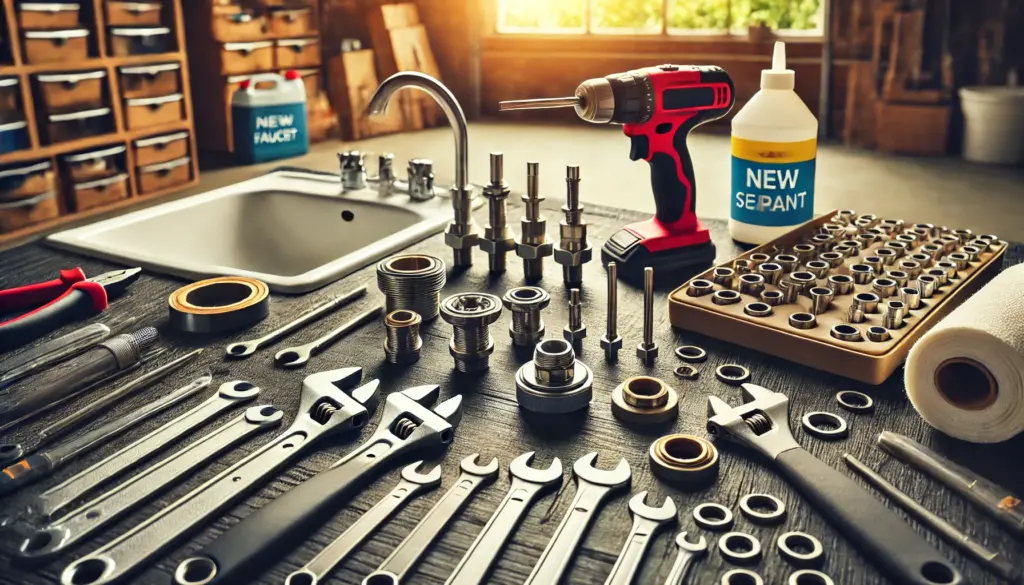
{"x": 493, "y": 425}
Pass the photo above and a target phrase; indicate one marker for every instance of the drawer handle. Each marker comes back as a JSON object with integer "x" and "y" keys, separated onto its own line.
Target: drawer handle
{"x": 70, "y": 84}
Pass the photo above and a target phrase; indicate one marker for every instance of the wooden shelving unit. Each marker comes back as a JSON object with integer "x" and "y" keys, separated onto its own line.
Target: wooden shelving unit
{"x": 93, "y": 16}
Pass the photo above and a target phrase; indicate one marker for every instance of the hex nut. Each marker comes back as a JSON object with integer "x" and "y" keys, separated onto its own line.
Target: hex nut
{"x": 497, "y": 246}
{"x": 613, "y": 345}
{"x": 643, "y": 400}
{"x": 577, "y": 258}
{"x": 534, "y": 251}
{"x": 538, "y": 388}
{"x": 647, "y": 354}
{"x": 686, "y": 372}
{"x": 461, "y": 241}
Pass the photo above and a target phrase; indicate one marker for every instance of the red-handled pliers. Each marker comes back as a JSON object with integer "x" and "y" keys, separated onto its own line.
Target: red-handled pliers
{"x": 57, "y": 302}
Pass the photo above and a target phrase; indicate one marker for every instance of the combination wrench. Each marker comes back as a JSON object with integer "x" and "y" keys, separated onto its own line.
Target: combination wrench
{"x": 327, "y": 406}
{"x": 761, "y": 423}
{"x": 413, "y": 483}
{"x": 247, "y": 348}
{"x": 647, "y": 521}
{"x": 48, "y": 504}
{"x": 401, "y": 561}
{"x": 689, "y": 552}
{"x": 67, "y": 531}
{"x": 593, "y": 487}
{"x": 406, "y": 426}
{"x": 293, "y": 357}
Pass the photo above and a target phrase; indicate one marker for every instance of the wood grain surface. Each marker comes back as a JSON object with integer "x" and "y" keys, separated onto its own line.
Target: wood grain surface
{"x": 493, "y": 425}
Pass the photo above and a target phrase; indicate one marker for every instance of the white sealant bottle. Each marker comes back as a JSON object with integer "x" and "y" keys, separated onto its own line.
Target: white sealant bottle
{"x": 774, "y": 145}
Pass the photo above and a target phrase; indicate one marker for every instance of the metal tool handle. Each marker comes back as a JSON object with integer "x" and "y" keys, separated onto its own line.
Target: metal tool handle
{"x": 632, "y": 552}
{"x": 684, "y": 560}
{"x": 885, "y": 538}
{"x": 476, "y": 563}
{"x": 319, "y": 344}
{"x": 558, "y": 554}
{"x": 309, "y": 317}
{"x": 51, "y": 352}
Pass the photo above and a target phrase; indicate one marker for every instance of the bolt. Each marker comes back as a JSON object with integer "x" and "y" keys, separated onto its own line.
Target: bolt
{"x": 575, "y": 331}
{"x": 533, "y": 245}
{"x": 498, "y": 239}
{"x": 526, "y": 303}
{"x": 647, "y": 351}
{"x": 470, "y": 314}
{"x": 611, "y": 342}
{"x": 573, "y": 249}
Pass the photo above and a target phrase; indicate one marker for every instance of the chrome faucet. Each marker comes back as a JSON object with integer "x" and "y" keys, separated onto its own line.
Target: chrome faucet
{"x": 462, "y": 234}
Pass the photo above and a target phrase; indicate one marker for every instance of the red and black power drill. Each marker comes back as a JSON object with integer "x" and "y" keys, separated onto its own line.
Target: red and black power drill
{"x": 657, "y": 106}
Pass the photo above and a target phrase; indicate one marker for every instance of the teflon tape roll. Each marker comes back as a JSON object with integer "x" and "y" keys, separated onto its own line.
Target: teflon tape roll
{"x": 219, "y": 304}
{"x": 966, "y": 376}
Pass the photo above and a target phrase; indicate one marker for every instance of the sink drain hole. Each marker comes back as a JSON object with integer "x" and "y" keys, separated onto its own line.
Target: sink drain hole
{"x": 347, "y": 215}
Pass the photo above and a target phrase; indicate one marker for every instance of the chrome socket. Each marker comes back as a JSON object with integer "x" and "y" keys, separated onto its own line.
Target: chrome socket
{"x": 699, "y": 288}
{"x": 841, "y": 284}
{"x": 554, "y": 382}
{"x": 402, "y": 343}
{"x": 819, "y": 268}
{"x": 526, "y": 304}
{"x": 923, "y": 260}
{"x": 834, "y": 259}
{"x": 892, "y": 318}
{"x": 751, "y": 284}
{"x": 743, "y": 266}
{"x": 940, "y": 275}
{"x": 892, "y": 226}
{"x": 866, "y": 302}
{"x": 790, "y": 290}
{"x": 910, "y": 239}
{"x": 950, "y": 268}
{"x": 897, "y": 276}
{"x": 911, "y": 297}
{"x": 862, "y": 224}
{"x": 803, "y": 279}
{"x": 822, "y": 242}
{"x": 911, "y": 267}
{"x": 723, "y": 276}
{"x": 725, "y": 297}
{"x": 757, "y": 259}
{"x": 874, "y": 262}
{"x": 833, "y": 230}
{"x": 871, "y": 217}
{"x": 470, "y": 315}
{"x": 901, "y": 248}
{"x": 921, "y": 233}
{"x": 855, "y": 314}
{"x": 803, "y": 321}
{"x": 926, "y": 285}
{"x": 772, "y": 297}
{"x": 862, "y": 273}
{"x": 412, "y": 282}
{"x": 949, "y": 244}
{"x": 845, "y": 332}
{"x": 771, "y": 272}
{"x": 848, "y": 249}
{"x": 788, "y": 262}
{"x": 933, "y": 250}
{"x": 964, "y": 235}
{"x": 928, "y": 228}
{"x": 758, "y": 309}
{"x": 846, "y": 216}
{"x": 972, "y": 252}
{"x": 865, "y": 240}
{"x": 959, "y": 260}
{"x": 878, "y": 334}
{"x": 821, "y": 298}
{"x": 804, "y": 252}
{"x": 887, "y": 255}
{"x": 883, "y": 287}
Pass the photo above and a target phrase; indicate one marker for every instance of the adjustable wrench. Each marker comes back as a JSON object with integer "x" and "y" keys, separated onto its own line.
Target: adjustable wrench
{"x": 688, "y": 553}
{"x": 396, "y": 567}
{"x": 413, "y": 484}
{"x": 762, "y": 424}
{"x": 46, "y": 505}
{"x": 528, "y": 484}
{"x": 406, "y": 426}
{"x": 62, "y": 534}
{"x": 593, "y": 487}
{"x": 326, "y": 407}
{"x": 646, "y": 522}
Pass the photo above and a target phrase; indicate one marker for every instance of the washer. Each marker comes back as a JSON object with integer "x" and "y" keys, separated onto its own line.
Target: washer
{"x": 809, "y": 577}
{"x": 718, "y": 521}
{"x": 739, "y": 548}
{"x": 791, "y": 544}
{"x": 732, "y": 374}
{"x": 691, "y": 354}
{"x": 741, "y": 577}
{"x": 855, "y": 401}
{"x": 750, "y": 502}
{"x": 813, "y": 422}
{"x": 686, "y": 372}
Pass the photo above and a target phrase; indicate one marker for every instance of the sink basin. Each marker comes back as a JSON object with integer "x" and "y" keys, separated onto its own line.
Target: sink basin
{"x": 294, "y": 230}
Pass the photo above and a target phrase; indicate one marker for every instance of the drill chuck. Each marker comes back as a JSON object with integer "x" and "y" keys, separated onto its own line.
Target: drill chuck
{"x": 596, "y": 101}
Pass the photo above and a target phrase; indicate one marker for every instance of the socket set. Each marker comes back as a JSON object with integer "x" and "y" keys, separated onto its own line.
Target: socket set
{"x": 844, "y": 293}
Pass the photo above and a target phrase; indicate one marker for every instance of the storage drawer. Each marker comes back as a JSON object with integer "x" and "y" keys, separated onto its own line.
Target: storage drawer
{"x": 239, "y": 58}
{"x": 13, "y": 136}
{"x": 25, "y": 212}
{"x": 72, "y": 91}
{"x": 100, "y": 192}
{"x": 160, "y": 149}
{"x": 154, "y": 111}
{"x": 73, "y": 125}
{"x": 140, "y": 41}
{"x": 95, "y": 164}
{"x": 48, "y": 15}
{"x": 150, "y": 80}
{"x": 160, "y": 176}
{"x": 292, "y": 53}
{"x": 291, "y": 21}
{"x": 225, "y": 7}
{"x": 241, "y": 27}
{"x": 53, "y": 46}
{"x": 310, "y": 79}
{"x": 25, "y": 180}
{"x": 10, "y": 97}
{"x": 133, "y": 13}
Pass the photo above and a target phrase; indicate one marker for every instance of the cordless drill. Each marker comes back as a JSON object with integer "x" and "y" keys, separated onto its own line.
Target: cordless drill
{"x": 657, "y": 106}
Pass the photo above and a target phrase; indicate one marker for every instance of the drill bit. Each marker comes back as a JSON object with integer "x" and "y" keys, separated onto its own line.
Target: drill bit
{"x": 573, "y": 250}
{"x": 497, "y": 238}
{"x": 612, "y": 341}
{"x": 647, "y": 350}
{"x": 533, "y": 244}
{"x": 575, "y": 331}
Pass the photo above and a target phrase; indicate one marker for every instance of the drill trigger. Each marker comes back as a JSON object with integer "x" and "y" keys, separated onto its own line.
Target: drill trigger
{"x": 639, "y": 147}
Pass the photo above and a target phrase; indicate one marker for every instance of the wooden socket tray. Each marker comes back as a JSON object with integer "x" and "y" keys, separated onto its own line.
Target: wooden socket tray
{"x": 867, "y": 361}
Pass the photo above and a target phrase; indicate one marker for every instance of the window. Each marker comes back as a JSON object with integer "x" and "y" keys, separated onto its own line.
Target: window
{"x": 653, "y": 17}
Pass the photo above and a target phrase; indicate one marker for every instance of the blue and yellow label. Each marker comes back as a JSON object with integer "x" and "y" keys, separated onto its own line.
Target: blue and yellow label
{"x": 772, "y": 182}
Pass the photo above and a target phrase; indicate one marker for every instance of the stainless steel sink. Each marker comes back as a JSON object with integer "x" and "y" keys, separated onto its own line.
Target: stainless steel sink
{"x": 296, "y": 231}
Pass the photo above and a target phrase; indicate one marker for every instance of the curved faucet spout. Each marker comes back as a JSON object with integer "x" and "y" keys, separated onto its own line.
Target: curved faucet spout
{"x": 444, "y": 98}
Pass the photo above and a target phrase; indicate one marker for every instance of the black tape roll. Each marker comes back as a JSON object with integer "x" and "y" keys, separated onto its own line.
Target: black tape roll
{"x": 219, "y": 304}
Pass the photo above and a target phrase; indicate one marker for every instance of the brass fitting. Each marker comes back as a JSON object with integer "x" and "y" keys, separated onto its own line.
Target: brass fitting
{"x": 644, "y": 400}
{"x": 533, "y": 245}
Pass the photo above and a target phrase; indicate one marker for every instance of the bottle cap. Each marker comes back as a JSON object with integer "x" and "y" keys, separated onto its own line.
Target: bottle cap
{"x": 291, "y": 75}
{"x": 244, "y": 84}
{"x": 778, "y": 77}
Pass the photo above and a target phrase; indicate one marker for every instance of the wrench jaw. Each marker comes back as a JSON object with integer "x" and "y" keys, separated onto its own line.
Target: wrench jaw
{"x": 664, "y": 513}
{"x": 472, "y": 466}
{"x": 521, "y": 468}
{"x": 698, "y": 548}
{"x": 329, "y": 402}
{"x": 614, "y": 479}
{"x": 428, "y": 480}
{"x": 761, "y": 423}
{"x": 238, "y": 390}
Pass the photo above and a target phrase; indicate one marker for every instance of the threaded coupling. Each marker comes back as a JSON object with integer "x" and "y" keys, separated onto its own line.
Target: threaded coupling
{"x": 526, "y": 304}
{"x": 555, "y": 382}
{"x": 412, "y": 282}
{"x": 470, "y": 315}
{"x": 403, "y": 342}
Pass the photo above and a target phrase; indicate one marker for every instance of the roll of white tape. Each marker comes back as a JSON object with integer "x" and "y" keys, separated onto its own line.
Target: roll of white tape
{"x": 966, "y": 376}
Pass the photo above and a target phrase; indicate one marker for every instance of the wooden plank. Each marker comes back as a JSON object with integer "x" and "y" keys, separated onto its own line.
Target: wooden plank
{"x": 859, "y": 122}
{"x": 905, "y": 51}
{"x": 351, "y": 81}
{"x": 411, "y": 49}
{"x": 911, "y": 129}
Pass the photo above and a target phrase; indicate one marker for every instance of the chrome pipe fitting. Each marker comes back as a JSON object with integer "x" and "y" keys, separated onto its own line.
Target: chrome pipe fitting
{"x": 845, "y": 332}
{"x": 878, "y": 334}
{"x": 897, "y": 276}
{"x": 949, "y": 244}
{"x": 790, "y": 290}
{"x": 751, "y": 284}
{"x": 402, "y": 343}
{"x": 757, "y": 259}
{"x": 834, "y": 259}
{"x": 788, "y": 262}
{"x": 958, "y": 259}
{"x": 725, "y": 297}
{"x": 742, "y": 266}
{"x": 841, "y": 284}
{"x": 821, "y": 298}
{"x": 470, "y": 315}
{"x": 804, "y": 252}
{"x": 353, "y": 170}
{"x": 964, "y": 235}
{"x": 699, "y": 288}
{"x": 773, "y": 298}
{"x": 862, "y": 273}
{"x": 758, "y": 309}
{"x": 575, "y": 331}
{"x": 908, "y": 238}
{"x": 822, "y": 242}
{"x": 933, "y": 250}
{"x": 526, "y": 304}
{"x": 923, "y": 260}
{"x": 554, "y": 382}
{"x": 855, "y": 314}
{"x": 926, "y": 285}
{"x": 866, "y": 302}
{"x": 887, "y": 255}
{"x": 892, "y": 318}
{"x": 874, "y": 262}
{"x": 497, "y": 240}
{"x": 533, "y": 245}
{"x": 911, "y": 267}
{"x": 911, "y": 298}
{"x": 940, "y": 275}
{"x": 900, "y": 248}
{"x": 771, "y": 272}
{"x": 803, "y": 279}
{"x": 803, "y": 321}
{"x": 420, "y": 179}
{"x": 573, "y": 250}
{"x": 972, "y": 252}
{"x": 950, "y": 267}
{"x": 883, "y": 287}
{"x": 819, "y": 268}
{"x": 723, "y": 276}
{"x": 412, "y": 282}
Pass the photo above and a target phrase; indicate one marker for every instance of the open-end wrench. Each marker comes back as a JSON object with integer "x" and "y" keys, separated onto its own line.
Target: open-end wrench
{"x": 247, "y": 348}
{"x": 593, "y": 487}
{"x": 396, "y": 567}
{"x": 407, "y": 426}
{"x": 413, "y": 483}
{"x": 48, "y": 504}
{"x": 328, "y": 405}
{"x": 528, "y": 484}
{"x": 63, "y": 533}
{"x": 688, "y": 553}
{"x": 647, "y": 521}
{"x": 761, "y": 423}
{"x": 293, "y": 357}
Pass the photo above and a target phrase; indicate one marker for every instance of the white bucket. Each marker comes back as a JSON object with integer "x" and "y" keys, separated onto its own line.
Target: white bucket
{"x": 993, "y": 124}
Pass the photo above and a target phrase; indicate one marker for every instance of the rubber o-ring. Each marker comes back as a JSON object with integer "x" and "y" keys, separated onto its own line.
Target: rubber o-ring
{"x": 809, "y": 577}
{"x": 741, "y": 577}
{"x": 854, "y": 401}
{"x": 776, "y": 516}
{"x": 687, "y": 372}
{"x": 809, "y": 560}
{"x": 732, "y": 374}
{"x": 739, "y": 557}
{"x": 691, "y": 354}
{"x": 713, "y": 524}
{"x": 812, "y": 422}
